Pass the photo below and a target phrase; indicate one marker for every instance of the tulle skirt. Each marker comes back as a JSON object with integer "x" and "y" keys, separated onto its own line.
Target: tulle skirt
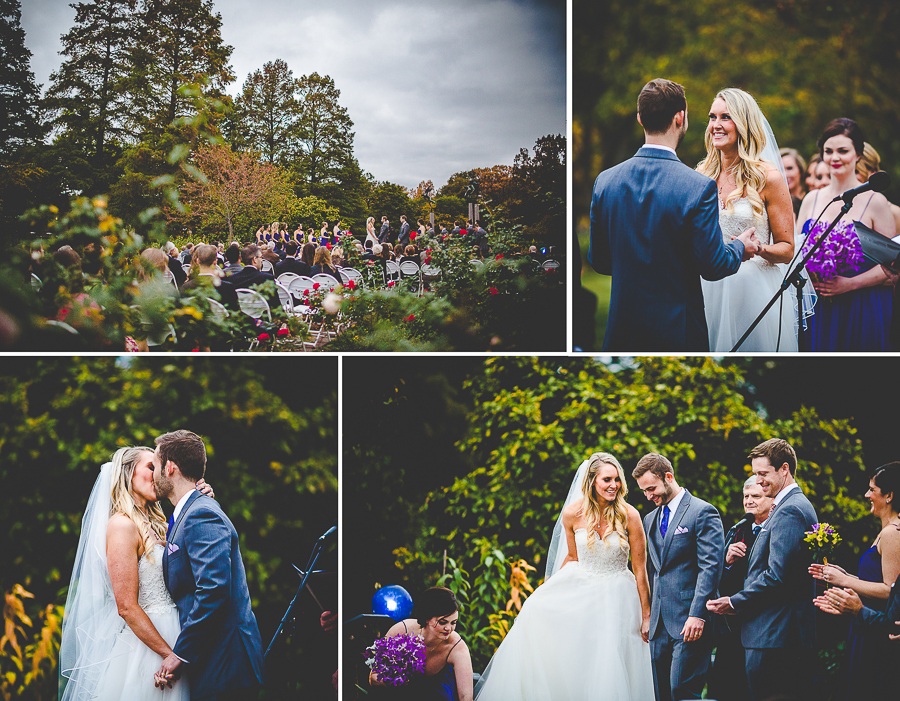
{"x": 576, "y": 637}
{"x": 129, "y": 674}
{"x": 734, "y": 302}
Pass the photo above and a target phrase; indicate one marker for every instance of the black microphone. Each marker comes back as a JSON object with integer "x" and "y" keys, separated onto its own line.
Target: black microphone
{"x": 328, "y": 533}
{"x": 878, "y": 181}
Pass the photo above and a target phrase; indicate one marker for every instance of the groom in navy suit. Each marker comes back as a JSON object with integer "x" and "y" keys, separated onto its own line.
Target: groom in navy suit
{"x": 219, "y": 644}
{"x": 655, "y": 230}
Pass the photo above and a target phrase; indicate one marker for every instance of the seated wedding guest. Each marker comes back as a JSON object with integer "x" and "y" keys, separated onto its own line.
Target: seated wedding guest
{"x": 727, "y": 678}
{"x": 373, "y": 253}
{"x": 869, "y": 656}
{"x": 270, "y": 255}
{"x": 175, "y": 264}
{"x": 204, "y": 275}
{"x": 337, "y": 256}
{"x": 291, "y": 264}
{"x": 448, "y": 665}
{"x": 308, "y": 254}
{"x": 324, "y": 265}
{"x": 251, "y": 275}
{"x": 410, "y": 254}
{"x": 186, "y": 252}
{"x": 794, "y": 171}
{"x": 871, "y": 163}
{"x": 232, "y": 259}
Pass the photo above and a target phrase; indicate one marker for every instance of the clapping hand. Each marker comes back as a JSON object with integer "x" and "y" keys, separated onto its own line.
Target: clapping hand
{"x": 837, "y": 601}
{"x": 832, "y": 574}
{"x": 751, "y": 243}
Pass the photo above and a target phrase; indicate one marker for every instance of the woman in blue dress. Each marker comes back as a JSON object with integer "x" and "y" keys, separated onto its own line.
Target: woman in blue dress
{"x": 853, "y": 312}
{"x": 448, "y": 665}
{"x": 869, "y": 654}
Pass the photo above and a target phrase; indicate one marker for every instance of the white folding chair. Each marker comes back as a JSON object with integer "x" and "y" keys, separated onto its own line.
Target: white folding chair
{"x": 285, "y": 278}
{"x": 352, "y": 274}
{"x": 326, "y": 282}
{"x": 36, "y": 284}
{"x": 187, "y": 269}
{"x": 410, "y": 268}
{"x": 253, "y": 304}
{"x": 267, "y": 266}
{"x": 550, "y": 264}
{"x": 217, "y": 308}
{"x": 391, "y": 271}
{"x": 477, "y": 264}
{"x": 287, "y": 301}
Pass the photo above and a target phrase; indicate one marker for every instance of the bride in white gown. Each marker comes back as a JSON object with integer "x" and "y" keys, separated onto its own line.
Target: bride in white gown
{"x": 743, "y": 158}
{"x": 120, "y": 621}
{"x": 583, "y": 633}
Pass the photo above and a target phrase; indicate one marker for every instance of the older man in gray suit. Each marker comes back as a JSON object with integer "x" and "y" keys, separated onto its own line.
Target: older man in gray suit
{"x": 686, "y": 548}
{"x": 775, "y": 607}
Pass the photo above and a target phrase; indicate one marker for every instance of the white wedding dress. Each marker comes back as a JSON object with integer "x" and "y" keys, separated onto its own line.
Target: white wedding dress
{"x": 129, "y": 672}
{"x": 734, "y": 302}
{"x": 577, "y": 636}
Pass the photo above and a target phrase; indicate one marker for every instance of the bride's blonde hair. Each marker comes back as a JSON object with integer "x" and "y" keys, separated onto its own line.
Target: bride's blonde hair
{"x": 153, "y": 525}
{"x": 750, "y": 172}
{"x": 594, "y": 510}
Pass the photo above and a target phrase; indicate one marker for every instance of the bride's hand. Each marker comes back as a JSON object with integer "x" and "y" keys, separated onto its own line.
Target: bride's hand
{"x": 645, "y": 628}
{"x": 205, "y": 489}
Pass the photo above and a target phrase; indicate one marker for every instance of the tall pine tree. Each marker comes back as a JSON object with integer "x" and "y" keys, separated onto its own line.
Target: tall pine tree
{"x": 19, "y": 95}
{"x": 89, "y": 93}
{"x": 268, "y": 112}
{"x": 178, "y": 42}
{"x": 325, "y": 131}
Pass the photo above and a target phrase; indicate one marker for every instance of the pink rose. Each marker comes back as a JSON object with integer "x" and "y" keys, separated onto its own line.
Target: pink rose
{"x": 493, "y": 290}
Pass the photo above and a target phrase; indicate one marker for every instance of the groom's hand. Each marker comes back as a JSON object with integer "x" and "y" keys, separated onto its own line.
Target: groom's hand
{"x": 169, "y": 671}
{"x": 693, "y": 629}
{"x": 721, "y": 606}
{"x": 751, "y": 243}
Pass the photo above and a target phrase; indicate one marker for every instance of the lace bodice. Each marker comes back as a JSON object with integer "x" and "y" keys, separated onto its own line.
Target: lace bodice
{"x": 602, "y": 556}
{"x": 153, "y": 596}
{"x": 739, "y": 220}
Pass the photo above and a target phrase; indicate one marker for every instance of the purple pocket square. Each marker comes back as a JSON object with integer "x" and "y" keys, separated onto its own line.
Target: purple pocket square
{"x": 680, "y": 530}
{"x": 172, "y": 547}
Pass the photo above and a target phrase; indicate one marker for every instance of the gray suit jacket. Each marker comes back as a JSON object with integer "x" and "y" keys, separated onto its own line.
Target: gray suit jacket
{"x": 776, "y": 604}
{"x": 205, "y": 575}
{"x": 684, "y": 574}
{"x": 403, "y": 238}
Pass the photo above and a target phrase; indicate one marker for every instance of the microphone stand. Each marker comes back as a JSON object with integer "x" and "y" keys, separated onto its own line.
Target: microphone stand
{"x": 795, "y": 279}
{"x": 288, "y": 615}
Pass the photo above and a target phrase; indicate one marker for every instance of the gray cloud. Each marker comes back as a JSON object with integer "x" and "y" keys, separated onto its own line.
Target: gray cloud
{"x": 432, "y": 87}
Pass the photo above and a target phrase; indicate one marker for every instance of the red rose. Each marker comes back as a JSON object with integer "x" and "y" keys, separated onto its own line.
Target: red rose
{"x": 410, "y": 317}
{"x": 412, "y": 236}
{"x": 428, "y": 259}
{"x": 328, "y": 246}
{"x": 391, "y": 283}
{"x": 493, "y": 290}
{"x": 315, "y": 285}
{"x": 195, "y": 350}
{"x": 263, "y": 337}
{"x": 306, "y": 293}
{"x": 499, "y": 256}
{"x": 283, "y": 332}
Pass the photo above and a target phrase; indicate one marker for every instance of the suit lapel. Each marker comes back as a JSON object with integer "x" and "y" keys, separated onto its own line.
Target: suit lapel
{"x": 674, "y": 521}
{"x": 651, "y": 540}
{"x": 184, "y": 510}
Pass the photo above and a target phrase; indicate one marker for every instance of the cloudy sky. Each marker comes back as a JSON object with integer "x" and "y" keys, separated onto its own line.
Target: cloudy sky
{"x": 432, "y": 87}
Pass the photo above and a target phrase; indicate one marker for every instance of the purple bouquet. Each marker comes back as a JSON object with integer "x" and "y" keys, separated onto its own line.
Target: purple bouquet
{"x": 840, "y": 253}
{"x": 395, "y": 659}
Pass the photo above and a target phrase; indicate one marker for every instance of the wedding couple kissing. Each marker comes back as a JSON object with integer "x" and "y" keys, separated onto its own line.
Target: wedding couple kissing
{"x": 158, "y": 610}
{"x": 695, "y": 255}
{"x": 584, "y": 633}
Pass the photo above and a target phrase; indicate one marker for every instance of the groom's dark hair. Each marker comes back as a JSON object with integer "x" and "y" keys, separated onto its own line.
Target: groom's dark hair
{"x": 186, "y": 450}
{"x": 660, "y": 100}
{"x": 654, "y": 463}
{"x": 778, "y": 452}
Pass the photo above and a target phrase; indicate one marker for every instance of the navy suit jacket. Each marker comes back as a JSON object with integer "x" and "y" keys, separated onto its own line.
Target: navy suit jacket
{"x": 775, "y": 606}
{"x": 685, "y": 573}
{"x": 655, "y": 229}
{"x": 205, "y": 575}
{"x": 882, "y": 622}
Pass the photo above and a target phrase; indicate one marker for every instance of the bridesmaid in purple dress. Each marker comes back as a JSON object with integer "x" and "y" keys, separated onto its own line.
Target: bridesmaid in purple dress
{"x": 869, "y": 654}
{"x": 853, "y": 312}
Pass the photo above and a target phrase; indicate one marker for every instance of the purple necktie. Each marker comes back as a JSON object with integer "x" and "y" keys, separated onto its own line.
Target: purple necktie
{"x": 664, "y": 524}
